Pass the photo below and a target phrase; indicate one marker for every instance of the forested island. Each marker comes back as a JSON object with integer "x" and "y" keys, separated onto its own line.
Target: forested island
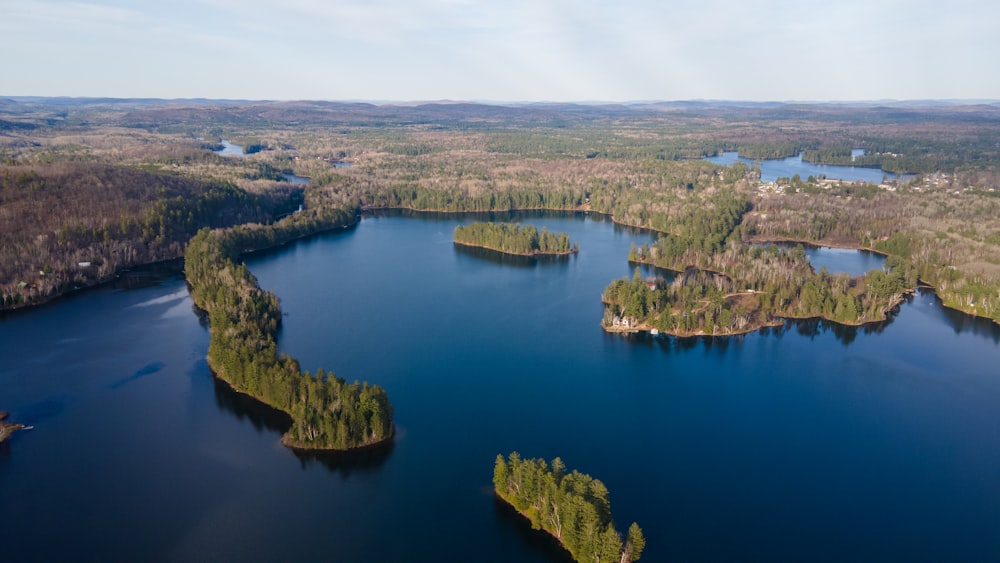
{"x": 510, "y": 238}
{"x": 572, "y": 507}
{"x": 326, "y": 411}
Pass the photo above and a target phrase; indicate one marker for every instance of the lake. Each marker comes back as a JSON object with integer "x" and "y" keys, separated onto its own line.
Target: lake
{"x": 293, "y": 179}
{"x": 772, "y": 169}
{"x": 229, "y": 149}
{"x": 807, "y": 442}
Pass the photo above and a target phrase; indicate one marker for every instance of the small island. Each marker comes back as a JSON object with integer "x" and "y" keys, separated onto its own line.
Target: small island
{"x": 510, "y": 238}
{"x": 571, "y": 507}
{"x": 7, "y": 429}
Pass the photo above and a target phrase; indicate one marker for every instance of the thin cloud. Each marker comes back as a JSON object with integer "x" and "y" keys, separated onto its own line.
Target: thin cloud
{"x": 518, "y": 49}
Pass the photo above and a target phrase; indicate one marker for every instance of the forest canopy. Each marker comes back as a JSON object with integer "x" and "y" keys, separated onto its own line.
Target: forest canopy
{"x": 511, "y": 238}
{"x": 573, "y": 507}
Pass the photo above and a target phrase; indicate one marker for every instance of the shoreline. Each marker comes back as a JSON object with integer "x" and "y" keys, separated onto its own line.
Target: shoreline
{"x": 171, "y": 266}
{"x": 168, "y": 264}
{"x": 757, "y": 239}
{"x": 542, "y": 529}
{"x": 218, "y": 374}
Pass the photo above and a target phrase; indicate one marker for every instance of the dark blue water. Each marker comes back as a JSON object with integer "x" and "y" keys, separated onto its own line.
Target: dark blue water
{"x": 772, "y": 169}
{"x": 812, "y": 442}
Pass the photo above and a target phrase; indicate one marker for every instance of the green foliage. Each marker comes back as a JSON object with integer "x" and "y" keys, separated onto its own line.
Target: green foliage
{"x": 511, "y": 238}
{"x": 573, "y": 507}
{"x": 898, "y": 244}
{"x": 327, "y": 412}
{"x": 746, "y": 287}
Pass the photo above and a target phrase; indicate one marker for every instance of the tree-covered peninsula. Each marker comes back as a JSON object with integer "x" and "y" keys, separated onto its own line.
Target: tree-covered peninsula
{"x": 510, "y": 238}
{"x": 572, "y": 507}
{"x": 326, "y": 411}
{"x": 746, "y": 287}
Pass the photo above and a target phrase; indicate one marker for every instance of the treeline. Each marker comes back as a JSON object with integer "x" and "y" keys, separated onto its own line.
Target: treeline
{"x": 747, "y": 287}
{"x": 458, "y": 200}
{"x": 71, "y": 225}
{"x": 511, "y": 238}
{"x": 573, "y": 507}
{"x": 327, "y": 412}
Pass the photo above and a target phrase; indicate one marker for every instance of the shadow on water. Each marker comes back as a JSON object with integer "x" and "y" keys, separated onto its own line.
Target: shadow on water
{"x": 964, "y": 323}
{"x": 536, "y": 540}
{"x": 809, "y": 328}
{"x": 265, "y": 418}
{"x": 345, "y": 464}
{"x": 277, "y": 250}
{"x": 510, "y": 259}
{"x": 846, "y": 334}
{"x": 148, "y": 275}
{"x": 261, "y": 416}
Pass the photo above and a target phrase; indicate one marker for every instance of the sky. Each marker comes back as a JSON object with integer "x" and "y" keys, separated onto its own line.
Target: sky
{"x": 508, "y": 50}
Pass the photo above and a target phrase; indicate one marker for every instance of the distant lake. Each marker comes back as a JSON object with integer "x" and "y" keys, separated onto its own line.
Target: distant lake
{"x": 771, "y": 170}
{"x": 812, "y": 441}
{"x": 840, "y": 260}
{"x": 229, "y": 149}
{"x": 293, "y": 179}
{"x": 844, "y": 260}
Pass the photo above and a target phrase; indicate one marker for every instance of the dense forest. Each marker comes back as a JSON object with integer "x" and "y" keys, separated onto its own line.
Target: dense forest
{"x": 573, "y": 507}
{"x": 509, "y": 238}
{"x": 639, "y": 164}
{"x": 69, "y": 225}
{"x": 327, "y": 412}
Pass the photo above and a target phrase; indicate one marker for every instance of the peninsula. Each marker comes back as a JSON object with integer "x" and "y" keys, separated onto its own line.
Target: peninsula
{"x": 743, "y": 288}
{"x": 327, "y": 412}
{"x": 6, "y": 428}
{"x": 572, "y": 507}
{"x": 510, "y": 238}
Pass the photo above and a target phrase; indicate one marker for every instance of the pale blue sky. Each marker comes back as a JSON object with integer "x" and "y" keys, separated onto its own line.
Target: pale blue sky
{"x": 510, "y": 50}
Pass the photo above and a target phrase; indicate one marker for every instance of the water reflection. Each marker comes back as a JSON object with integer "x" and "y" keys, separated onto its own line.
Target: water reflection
{"x": 261, "y": 416}
{"x": 846, "y": 334}
{"x": 510, "y": 259}
{"x": 363, "y": 460}
{"x": 148, "y": 275}
{"x": 961, "y": 322}
{"x": 537, "y": 541}
{"x": 809, "y": 328}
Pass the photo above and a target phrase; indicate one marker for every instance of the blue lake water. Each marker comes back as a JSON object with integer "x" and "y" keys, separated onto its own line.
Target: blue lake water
{"x": 293, "y": 179}
{"x": 229, "y": 149}
{"x": 809, "y": 442}
{"x": 773, "y": 169}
